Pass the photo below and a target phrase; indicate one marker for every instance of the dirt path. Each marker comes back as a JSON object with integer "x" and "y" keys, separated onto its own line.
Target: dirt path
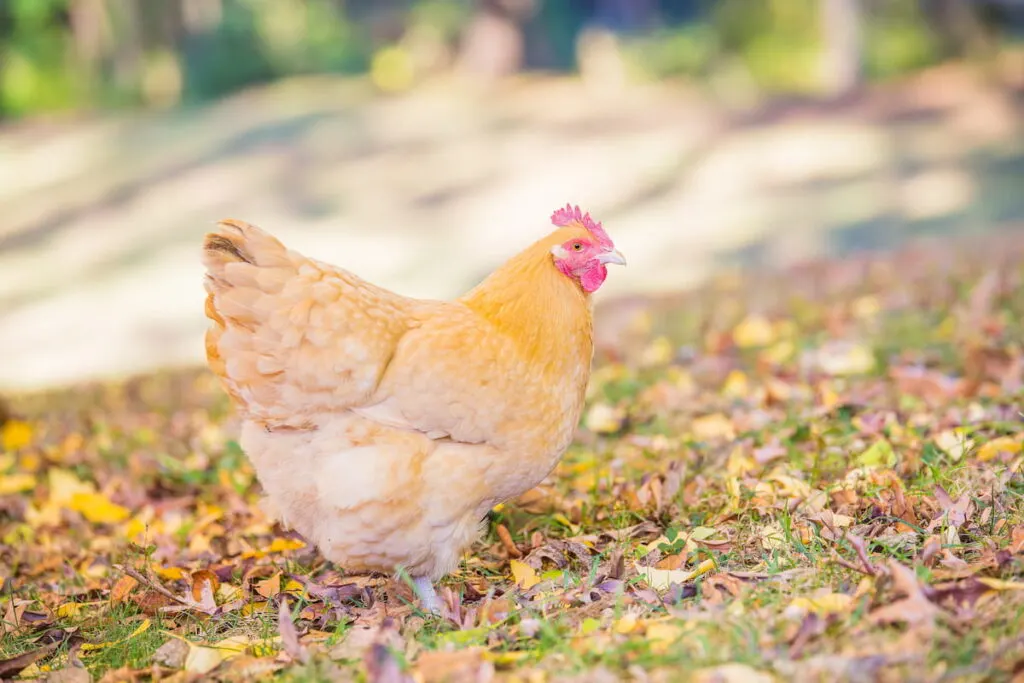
{"x": 101, "y": 220}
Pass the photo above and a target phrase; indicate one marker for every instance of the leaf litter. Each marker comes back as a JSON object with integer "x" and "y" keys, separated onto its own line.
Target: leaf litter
{"x": 799, "y": 476}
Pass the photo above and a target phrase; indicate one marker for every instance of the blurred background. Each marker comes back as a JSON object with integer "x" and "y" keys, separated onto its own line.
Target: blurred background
{"x": 422, "y": 142}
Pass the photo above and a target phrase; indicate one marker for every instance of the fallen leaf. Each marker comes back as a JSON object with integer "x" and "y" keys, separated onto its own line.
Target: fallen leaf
{"x": 69, "y": 674}
{"x": 605, "y": 419}
{"x": 914, "y": 608}
{"x": 122, "y": 587}
{"x": 523, "y": 574}
{"x": 289, "y": 636}
{"x": 64, "y": 485}
{"x": 754, "y": 330}
{"x": 830, "y": 604}
{"x": 97, "y": 508}
{"x": 268, "y": 588}
{"x": 954, "y": 442}
{"x": 712, "y": 427}
{"x": 772, "y": 536}
{"x": 15, "y": 435}
{"x": 202, "y": 659}
{"x": 16, "y": 483}
{"x": 280, "y": 545}
{"x": 661, "y": 579}
{"x": 204, "y": 587}
{"x": 732, "y": 673}
{"x": 172, "y": 653}
{"x": 13, "y": 666}
{"x": 140, "y": 629}
{"x": 1004, "y": 444}
{"x": 879, "y": 454}
{"x": 460, "y": 666}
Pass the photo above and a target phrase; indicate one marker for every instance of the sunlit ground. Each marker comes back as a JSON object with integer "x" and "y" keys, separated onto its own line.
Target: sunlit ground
{"x": 427, "y": 192}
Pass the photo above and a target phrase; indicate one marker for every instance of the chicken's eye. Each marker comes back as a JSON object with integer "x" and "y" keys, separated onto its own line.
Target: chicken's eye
{"x": 577, "y": 246}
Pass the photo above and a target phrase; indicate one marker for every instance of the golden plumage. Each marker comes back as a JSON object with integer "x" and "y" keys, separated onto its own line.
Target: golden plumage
{"x": 383, "y": 427}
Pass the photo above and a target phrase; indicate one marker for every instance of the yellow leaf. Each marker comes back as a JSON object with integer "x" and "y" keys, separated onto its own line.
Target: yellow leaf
{"x": 15, "y": 434}
{"x": 564, "y": 521}
{"x": 202, "y": 659}
{"x": 714, "y": 426}
{"x": 824, "y": 605}
{"x": 170, "y": 573}
{"x": 661, "y": 635}
{"x": 736, "y": 385}
{"x": 45, "y": 515}
{"x": 69, "y": 609}
{"x": 772, "y": 536}
{"x": 844, "y": 358}
{"x": 1000, "y": 585}
{"x": 879, "y": 454}
{"x": 6, "y": 461}
{"x": 661, "y": 579}
{"x": 523, "y": 574}
{"x": 142, "y": 628}
{"x": 16, "y": 483}
{"x": 280, "y": 545}
{"x": 507, "y": 658}
{"x": 754, "y": 330}
{"x": 865, "y": 307}
{"x": 98, "y": 509}
{"x": 702, "y": 533}
{"x": 1003, "y": 444}
{"x": 660, "y": 352}
{"x": 732, "y": 673}
{"x": 627, "y": 624}
{"x": 605, "y": 419}
{"x": 269, "y": 587}
{"x": 955, "y": 442}
{"x": 64, "y": 485}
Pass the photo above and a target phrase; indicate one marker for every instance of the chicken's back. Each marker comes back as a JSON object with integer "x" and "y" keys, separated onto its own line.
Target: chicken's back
{"x": 291, "y": 337}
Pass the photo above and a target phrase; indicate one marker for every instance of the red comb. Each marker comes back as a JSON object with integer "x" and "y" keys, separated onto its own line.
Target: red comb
{"x": 571, "y": 214}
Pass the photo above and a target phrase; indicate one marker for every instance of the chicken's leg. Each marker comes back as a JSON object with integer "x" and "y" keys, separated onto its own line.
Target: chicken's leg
{"x": 428, "y": 596}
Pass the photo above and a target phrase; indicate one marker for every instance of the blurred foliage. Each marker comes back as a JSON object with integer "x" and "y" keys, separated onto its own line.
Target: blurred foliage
{"x": 61, "y": 54}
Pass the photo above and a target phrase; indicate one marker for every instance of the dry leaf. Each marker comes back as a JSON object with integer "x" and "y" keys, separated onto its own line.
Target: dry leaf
{"x": 661, "y": 579}
{"x": 460, "y": 666}
{"x": 523, "y": 575}
{"x": 289, "y": 636}
{"x": 202, "y": 659}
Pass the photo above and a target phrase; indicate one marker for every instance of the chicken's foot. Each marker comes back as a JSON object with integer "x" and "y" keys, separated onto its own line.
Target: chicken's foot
{"x": 428, "y": 596}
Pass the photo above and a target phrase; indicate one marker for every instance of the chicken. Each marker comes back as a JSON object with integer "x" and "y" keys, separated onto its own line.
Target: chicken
{"x": 383, "y": 428}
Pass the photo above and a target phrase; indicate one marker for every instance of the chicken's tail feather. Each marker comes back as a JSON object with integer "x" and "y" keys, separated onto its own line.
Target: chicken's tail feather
{"x": 243, "y": 265}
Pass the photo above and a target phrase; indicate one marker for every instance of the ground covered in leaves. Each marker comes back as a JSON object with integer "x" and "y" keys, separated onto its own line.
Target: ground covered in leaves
{"x": 814, "y": 475}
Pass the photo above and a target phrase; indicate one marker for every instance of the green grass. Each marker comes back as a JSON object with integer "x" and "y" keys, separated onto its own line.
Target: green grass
{"x": 780, "y": 469}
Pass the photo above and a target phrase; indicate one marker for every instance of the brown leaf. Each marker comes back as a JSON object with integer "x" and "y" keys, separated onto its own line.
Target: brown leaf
{"x": 914, "y": 609}
{"x": 69, "y": 674}
{"x": 382, "y": 666}
{"x": 13, "y": 666}
{"x": 204, "y": 586}
{"x": 124, "y": 585}
{"x": 172, "y": 654}
{"x": 268, "y": 588}
{"x": 289, "y": 636}
{"x": 460, "y": 666}
{"x": 507, "y": 542}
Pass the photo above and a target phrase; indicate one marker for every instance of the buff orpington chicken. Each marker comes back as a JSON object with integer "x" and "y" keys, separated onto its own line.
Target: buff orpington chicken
{"x": 384, "y": 428}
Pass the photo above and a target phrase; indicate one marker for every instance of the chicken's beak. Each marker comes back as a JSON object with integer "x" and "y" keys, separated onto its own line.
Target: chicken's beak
{"x": 613, "y": 256}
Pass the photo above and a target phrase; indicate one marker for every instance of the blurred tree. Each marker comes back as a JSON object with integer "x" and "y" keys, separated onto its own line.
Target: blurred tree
{"x": 64, "y": 54}
{"x": 842, "y": 52}
{"x": 493, "y": 41}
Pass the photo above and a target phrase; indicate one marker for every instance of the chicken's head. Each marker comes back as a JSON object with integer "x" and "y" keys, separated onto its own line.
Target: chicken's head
{"x": 583, "y": 258}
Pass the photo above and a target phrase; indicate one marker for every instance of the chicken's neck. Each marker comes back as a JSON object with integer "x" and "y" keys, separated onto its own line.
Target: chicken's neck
{"x": 546, "y": 313}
